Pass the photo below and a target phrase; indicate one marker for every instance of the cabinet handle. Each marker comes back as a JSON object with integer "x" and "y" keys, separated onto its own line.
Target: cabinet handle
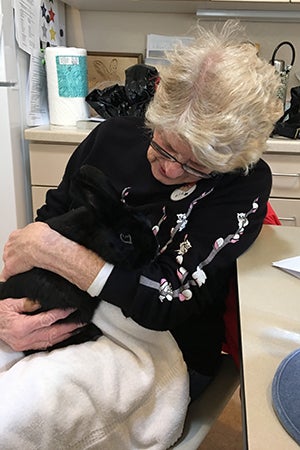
{"x": 7, "y": 83}
{"x": 276, "y": 174}
{"x": 288, "y": 219}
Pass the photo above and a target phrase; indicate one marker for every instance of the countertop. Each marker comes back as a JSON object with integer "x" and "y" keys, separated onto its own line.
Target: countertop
{"x": 52, "y": 133}
{"x": 269, "y": 311}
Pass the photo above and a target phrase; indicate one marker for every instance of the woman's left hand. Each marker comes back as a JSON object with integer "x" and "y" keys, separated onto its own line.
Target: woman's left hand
{"x": 33, "y": 332}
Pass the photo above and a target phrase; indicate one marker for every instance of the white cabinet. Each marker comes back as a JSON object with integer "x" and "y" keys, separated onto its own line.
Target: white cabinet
{"x": 283, "y": 157}
{"x": 50, "y": 149}
{"x": 47, "y": 163}
{"x": 288, "y": 210}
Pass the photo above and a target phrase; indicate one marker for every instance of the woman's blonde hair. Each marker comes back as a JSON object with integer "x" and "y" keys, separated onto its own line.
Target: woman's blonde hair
{"x": 219, "y": 97}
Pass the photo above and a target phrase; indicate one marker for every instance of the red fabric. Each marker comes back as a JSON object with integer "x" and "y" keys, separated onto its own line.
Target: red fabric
{"x": 271, "y": 216}
{"x": 232, "y": 344}
{"x": 232, "y": 341}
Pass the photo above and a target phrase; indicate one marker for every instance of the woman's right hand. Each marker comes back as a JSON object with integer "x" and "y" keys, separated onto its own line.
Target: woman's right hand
{"x": 32, "y": 332}
{"x": 24, "y": 248}
{"x": 38, "y": 245}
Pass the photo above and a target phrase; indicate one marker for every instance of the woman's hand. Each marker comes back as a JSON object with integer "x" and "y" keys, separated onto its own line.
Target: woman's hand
{"x": 32, "y": 332}
{"x": 37, "y": 245}
{"x": 23, "y": 249}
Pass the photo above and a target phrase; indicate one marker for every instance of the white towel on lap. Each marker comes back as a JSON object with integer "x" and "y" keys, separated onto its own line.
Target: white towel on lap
{"x": 128, "y": 390}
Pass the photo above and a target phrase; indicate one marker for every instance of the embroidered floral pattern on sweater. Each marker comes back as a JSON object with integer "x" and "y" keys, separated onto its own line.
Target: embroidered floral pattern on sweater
{"x": 165, "y": 290}
{"x": 184, "y": 247}
{"x": 124, "y": 194}
{"x": 184, "y": 292}
{"x": 182, "y": 219}
{"x": 220, "y": 243}
{"x": 156, "y": 227}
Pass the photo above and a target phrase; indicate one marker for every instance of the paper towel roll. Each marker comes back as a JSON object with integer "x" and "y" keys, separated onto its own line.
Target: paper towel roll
{"x": 66, "y": 69}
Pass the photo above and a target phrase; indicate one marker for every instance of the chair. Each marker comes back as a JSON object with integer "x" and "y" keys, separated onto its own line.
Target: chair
{"x": 205, "y": 410}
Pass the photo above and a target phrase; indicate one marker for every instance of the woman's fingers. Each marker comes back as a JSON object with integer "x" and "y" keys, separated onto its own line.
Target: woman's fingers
{"x": 30, "y": 332}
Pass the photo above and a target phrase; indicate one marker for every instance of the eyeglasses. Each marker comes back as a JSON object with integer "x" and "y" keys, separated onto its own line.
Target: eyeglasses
{"x": 186, "y": 168}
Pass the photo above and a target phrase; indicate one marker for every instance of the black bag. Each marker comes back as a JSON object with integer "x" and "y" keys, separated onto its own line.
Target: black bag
{"x": 289, "y": 124}
{"x": 129, "y": 100}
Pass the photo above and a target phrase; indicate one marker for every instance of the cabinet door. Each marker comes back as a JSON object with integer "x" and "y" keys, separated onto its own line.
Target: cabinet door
{"x": 38, "y": 197}
{"x": 288, "y": 210}
{"x": 48, "y": 162}
{"x": 286, "y": 174}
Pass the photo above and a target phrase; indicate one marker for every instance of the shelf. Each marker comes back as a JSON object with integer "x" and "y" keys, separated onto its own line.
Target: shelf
{"x": 178, "y": 6}
{"x": 163, "y": 6}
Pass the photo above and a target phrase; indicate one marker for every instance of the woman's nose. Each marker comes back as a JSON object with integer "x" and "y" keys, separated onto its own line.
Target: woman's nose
{"x": 173, "y": 169}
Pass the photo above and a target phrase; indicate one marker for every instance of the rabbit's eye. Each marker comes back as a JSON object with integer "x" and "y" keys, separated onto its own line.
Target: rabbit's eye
{"x": 126, "y": 238}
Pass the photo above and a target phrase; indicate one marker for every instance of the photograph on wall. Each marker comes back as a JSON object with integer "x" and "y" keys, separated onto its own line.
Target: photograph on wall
{"x": 106, "y": 69}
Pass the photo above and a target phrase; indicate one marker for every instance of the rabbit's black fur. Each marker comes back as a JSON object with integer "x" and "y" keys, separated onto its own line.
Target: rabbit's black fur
{"x": 102, "y": 223}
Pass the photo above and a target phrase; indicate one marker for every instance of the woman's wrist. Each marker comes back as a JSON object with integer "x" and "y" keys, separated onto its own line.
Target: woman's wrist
{"x": 70, "y": 260}
{"x": 37, "y": 245}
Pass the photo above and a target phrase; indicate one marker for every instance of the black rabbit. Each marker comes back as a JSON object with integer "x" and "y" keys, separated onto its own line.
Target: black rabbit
{"x": 103, "y": 223}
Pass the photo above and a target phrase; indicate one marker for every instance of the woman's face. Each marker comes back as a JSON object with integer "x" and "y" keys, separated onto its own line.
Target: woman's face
{"x": 170, "y": 171}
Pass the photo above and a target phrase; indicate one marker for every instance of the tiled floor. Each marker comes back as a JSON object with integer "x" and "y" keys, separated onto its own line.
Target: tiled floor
{"x": 226, "y": 434}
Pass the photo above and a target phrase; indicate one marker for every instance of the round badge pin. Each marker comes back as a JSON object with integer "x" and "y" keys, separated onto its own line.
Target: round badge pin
{"x": 183, "y": 192}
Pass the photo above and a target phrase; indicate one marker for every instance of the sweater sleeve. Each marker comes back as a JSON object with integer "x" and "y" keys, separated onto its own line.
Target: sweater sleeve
{"x": 192, "y": 272}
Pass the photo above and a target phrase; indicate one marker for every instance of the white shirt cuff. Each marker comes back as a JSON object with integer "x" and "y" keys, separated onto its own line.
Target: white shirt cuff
{"x": 100, "y": 280}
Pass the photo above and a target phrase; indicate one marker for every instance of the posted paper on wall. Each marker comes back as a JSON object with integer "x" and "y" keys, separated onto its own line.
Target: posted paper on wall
{"x": 37, "y": 100}
{"x": 27, "y": 24}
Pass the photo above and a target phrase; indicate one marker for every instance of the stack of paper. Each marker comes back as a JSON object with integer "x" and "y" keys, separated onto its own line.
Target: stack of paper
{"x": 290, "y": 265}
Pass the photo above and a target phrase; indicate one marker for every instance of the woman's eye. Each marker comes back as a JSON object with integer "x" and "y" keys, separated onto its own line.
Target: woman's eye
{"x": 126, "y": 238}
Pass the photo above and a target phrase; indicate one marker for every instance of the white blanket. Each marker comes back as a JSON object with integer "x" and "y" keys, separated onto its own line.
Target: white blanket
{"x": 126, "y": 391}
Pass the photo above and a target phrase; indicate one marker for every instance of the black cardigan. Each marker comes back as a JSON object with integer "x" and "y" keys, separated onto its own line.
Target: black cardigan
{"x": 200, "y": 236}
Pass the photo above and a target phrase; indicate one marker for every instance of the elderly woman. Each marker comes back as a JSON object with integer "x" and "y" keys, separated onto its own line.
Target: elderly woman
{"x": 195, "y": 164}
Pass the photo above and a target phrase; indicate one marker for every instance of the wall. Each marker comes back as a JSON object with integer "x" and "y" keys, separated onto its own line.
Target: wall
{"x": 127, "y": 32}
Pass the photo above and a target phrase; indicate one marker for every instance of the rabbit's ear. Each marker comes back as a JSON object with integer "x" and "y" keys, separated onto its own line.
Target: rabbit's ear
{"x": 91, "y": 188}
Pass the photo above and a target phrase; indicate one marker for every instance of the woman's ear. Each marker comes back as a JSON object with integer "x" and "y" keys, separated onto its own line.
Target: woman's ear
{"x": 91, "y": 188}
